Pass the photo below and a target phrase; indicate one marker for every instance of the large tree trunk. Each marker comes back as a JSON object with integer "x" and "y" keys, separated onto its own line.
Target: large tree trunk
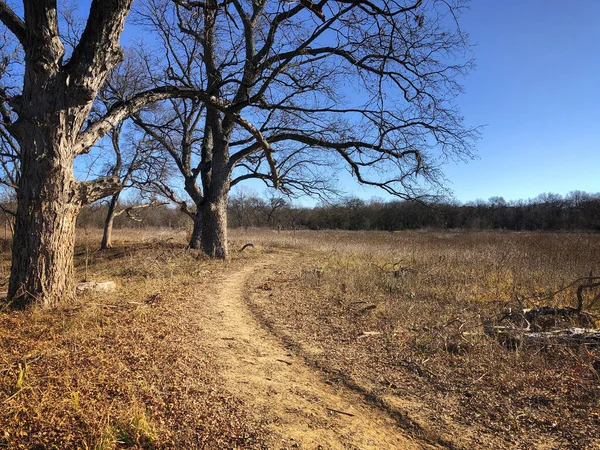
{"x": 213, "y": 240}
{"x": 48, "y": 204}
{"x": 108, "y": 223}
{"x": 216, "y": 183}
{"x": 52, "y": 110}
{"x": 197, "y": 230}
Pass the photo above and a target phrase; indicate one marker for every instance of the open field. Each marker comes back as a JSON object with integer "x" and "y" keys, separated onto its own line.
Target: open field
{"x": 424, "y": 356}
{"x": 386, "y": 327}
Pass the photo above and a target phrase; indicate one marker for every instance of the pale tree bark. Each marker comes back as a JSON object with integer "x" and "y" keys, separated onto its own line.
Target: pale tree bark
{"x": 213, "y": 239}
{"x": 108, "y": 222}
{"x": 114, "y": 212}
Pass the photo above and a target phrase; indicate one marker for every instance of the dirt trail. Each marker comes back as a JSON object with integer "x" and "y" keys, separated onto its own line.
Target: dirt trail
{"x": 301, "y": 409}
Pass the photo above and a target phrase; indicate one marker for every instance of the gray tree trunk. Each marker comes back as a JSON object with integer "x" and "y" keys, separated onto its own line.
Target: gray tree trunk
{"x": 108, "y": 223}
{"x": 197, "y": 230}
{"x": 213, "y": 240}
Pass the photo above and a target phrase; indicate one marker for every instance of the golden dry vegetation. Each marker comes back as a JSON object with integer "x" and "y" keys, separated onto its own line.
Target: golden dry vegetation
{"x": 399, "y": 317}
{"x": 120, "y": 370}
{"x": 396, "y": 317}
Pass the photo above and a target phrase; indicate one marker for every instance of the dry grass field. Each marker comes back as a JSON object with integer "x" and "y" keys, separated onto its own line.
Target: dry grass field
{"x": 395, "y": 317}
{"x": 399, "y": 317}
{"x": 120, "y": 370}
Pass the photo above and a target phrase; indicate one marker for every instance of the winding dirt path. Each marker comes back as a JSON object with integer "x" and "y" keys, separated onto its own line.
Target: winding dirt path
{"x": 300, "y": 408}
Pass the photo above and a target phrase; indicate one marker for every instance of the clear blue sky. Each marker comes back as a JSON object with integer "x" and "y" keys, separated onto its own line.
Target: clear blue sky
{"x": 537, "y": 88}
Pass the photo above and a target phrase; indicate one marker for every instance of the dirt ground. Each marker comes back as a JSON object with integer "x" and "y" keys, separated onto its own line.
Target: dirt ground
{"x": 301, "y": 407}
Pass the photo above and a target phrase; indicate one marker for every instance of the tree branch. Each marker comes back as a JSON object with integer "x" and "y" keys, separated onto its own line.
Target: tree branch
{"x": 90, "y": 191}
{"x": 13, "y": 22}
{"x": 99, "y": 43}
{"x": 121, "y": 110}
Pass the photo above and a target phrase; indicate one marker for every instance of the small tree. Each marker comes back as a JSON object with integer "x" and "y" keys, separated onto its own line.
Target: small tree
{"x": 140, "y": 168}
{"x": 276, "y": 205}
{"x": 137, "y": 164}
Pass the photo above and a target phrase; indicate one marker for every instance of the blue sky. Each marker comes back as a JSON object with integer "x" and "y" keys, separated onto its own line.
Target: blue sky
{"x": 536, "y": 88}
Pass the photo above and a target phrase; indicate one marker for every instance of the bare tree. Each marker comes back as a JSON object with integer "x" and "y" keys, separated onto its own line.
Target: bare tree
{"x": 174, "y": 129}
{"x": 139, "y": 166}
{"x": 276, "y": 204}
{"x": 49, "y": 118}
{"x": 52, "y": 109}
{"x": 367, "y": 84}
{"x": 137, "y": 163}
{"x": 179, "y": 128}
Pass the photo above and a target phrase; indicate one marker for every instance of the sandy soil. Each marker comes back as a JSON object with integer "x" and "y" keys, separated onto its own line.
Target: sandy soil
{"x": 298, "y": 405}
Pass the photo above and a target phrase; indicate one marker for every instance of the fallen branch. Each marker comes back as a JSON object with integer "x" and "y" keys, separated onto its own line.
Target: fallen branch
{"x": 340, "y": 412}
{"x": 249, "y": 244}
{"x": 580, "y": 293}
{"x": 592, "y": 282}
{"x": 368, "y": 333}
{"x": 368, "y": 308}
{"x": 527, "y": 318}
{"x": 522, "y": 336}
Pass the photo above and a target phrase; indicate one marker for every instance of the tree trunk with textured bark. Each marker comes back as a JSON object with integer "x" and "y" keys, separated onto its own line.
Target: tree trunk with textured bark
{"x": 197, "y": 230}
{"x": 52, "y": 111}
{"x": 213, "y": 238}
{"x": 42, "y": 255}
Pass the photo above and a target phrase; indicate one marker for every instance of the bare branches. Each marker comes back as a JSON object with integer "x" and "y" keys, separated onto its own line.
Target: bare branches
{"x": 283, "y": 92}
{"x": 13, "y": 22}
{"x": 121, "y": 110}
{"x": 131, "y": 208}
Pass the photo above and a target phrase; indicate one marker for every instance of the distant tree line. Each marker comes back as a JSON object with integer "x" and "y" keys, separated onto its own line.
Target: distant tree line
{"x": 549, "y": 212}
{"x": 576, "y": 211}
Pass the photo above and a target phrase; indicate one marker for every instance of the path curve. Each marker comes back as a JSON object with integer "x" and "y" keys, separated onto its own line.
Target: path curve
{"x": 300, "y": 408}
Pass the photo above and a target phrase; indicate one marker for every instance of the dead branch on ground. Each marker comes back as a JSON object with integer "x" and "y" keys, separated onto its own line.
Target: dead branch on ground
{"x": 531, "y": 326}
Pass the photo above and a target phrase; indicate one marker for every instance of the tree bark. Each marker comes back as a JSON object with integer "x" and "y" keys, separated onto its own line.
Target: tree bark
{"x": 48, "y": 204}
{"x": 213, "y": 239}
{"x": 197, "y": 230}
{"x": 108, "y": 223}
